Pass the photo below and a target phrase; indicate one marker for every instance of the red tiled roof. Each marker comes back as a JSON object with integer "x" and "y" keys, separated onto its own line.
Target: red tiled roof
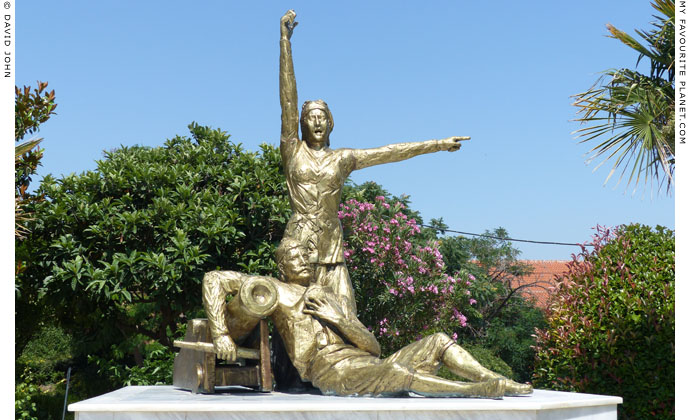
{"x": 539, "y": 284}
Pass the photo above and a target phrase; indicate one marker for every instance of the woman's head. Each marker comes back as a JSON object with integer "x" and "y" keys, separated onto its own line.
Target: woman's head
{"x": 316, "y": 122}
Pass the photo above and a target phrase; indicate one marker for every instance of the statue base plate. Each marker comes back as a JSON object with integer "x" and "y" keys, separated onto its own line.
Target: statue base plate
{"x": 170, "y": 403}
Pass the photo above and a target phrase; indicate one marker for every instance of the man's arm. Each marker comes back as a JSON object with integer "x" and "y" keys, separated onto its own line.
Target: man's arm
{"x": 324, "y": 306}
{"x": 402, "y": 151}
{"x": 288, "y": 86}
{"x": 217, "y": 285}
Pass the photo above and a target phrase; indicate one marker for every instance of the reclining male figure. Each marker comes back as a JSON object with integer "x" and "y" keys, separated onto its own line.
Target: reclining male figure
{"x": 330, "y": 347}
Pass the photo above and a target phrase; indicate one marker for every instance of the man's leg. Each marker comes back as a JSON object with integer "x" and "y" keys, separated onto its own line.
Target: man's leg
{"x": 460, "y": 362}
{"x": 433, "y": 386}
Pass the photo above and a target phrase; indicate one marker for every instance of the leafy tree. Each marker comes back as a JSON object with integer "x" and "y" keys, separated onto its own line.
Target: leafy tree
{"x": 631, "y": 114}
{"x": 118, "y": 253}
{"x": 507, "y": 320}
{"x": 31, "y": 109}
{"x": 611, "y": 326}
{"x": 493, "y": 259}
{"x": 510, "y": 336}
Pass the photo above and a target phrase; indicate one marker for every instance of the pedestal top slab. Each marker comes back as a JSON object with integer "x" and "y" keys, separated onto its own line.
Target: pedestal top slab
{"x": 167, "y": 398}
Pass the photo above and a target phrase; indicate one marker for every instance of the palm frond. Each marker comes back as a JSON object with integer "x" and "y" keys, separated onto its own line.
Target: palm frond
{"x": 628, "y": 112}
{"x": 20, "y": 216}
{"x": 629, "y": 41}
{"x": 25, "y": 147}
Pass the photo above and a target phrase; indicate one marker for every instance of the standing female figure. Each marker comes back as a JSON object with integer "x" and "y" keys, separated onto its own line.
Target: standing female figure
{"x": 316, "y": 173}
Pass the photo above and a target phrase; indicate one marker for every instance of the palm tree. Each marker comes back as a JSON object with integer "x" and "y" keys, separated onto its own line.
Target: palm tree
{"x": 632, "y": 115}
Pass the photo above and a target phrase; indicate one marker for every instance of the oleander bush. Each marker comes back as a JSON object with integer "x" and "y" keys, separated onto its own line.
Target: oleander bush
{"x": 611, "y": 324}
{"x": 403, "y": 291}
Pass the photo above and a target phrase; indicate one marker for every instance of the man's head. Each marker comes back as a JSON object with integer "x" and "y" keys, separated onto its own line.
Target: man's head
{"x": 317, "y": 123}
{"x": 292, "y": 264}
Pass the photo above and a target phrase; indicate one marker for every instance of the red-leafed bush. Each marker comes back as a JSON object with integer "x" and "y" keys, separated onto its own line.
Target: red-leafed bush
{"x": 611, "y": 323}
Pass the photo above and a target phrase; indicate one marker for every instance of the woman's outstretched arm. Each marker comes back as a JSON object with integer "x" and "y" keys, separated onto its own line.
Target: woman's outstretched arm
{"x": 402, "y": 151}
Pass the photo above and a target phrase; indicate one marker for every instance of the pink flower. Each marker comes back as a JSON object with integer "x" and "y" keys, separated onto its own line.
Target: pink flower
{"x": 473, "y": 301}
{"x": 460, "y": 317}
{"x": 454, "y": 336}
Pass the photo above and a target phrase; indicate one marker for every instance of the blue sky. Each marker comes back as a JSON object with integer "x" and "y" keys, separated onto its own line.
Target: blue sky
{"x": 502, "y": 72}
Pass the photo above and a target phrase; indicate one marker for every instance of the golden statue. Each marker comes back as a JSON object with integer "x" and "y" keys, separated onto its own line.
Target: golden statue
{"x": 316, "y": 173}
{"x": 312, "y": 305}
{"x": 331, "y": 348}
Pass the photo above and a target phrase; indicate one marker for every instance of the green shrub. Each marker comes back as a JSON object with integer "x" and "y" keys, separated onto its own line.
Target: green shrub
{"x": 156, "y": 367}
{"x": 611, "y": 324}
{"x": 120, "y": 252}
{"x": 50, "y": 347}
{"x": 25, "y": 401}
{"x": 41, "y": 399}
{"x": 511, "y": 336}
{"x": 486, "y": 358}
{"x": 490, "y": 360}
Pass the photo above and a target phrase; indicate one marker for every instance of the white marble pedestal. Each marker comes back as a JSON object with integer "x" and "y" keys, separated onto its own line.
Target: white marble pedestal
{"x": 168, "y": 403}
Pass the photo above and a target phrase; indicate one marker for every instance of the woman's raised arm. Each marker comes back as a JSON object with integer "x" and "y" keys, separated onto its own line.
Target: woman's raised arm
{"x": 287, "y": 85}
